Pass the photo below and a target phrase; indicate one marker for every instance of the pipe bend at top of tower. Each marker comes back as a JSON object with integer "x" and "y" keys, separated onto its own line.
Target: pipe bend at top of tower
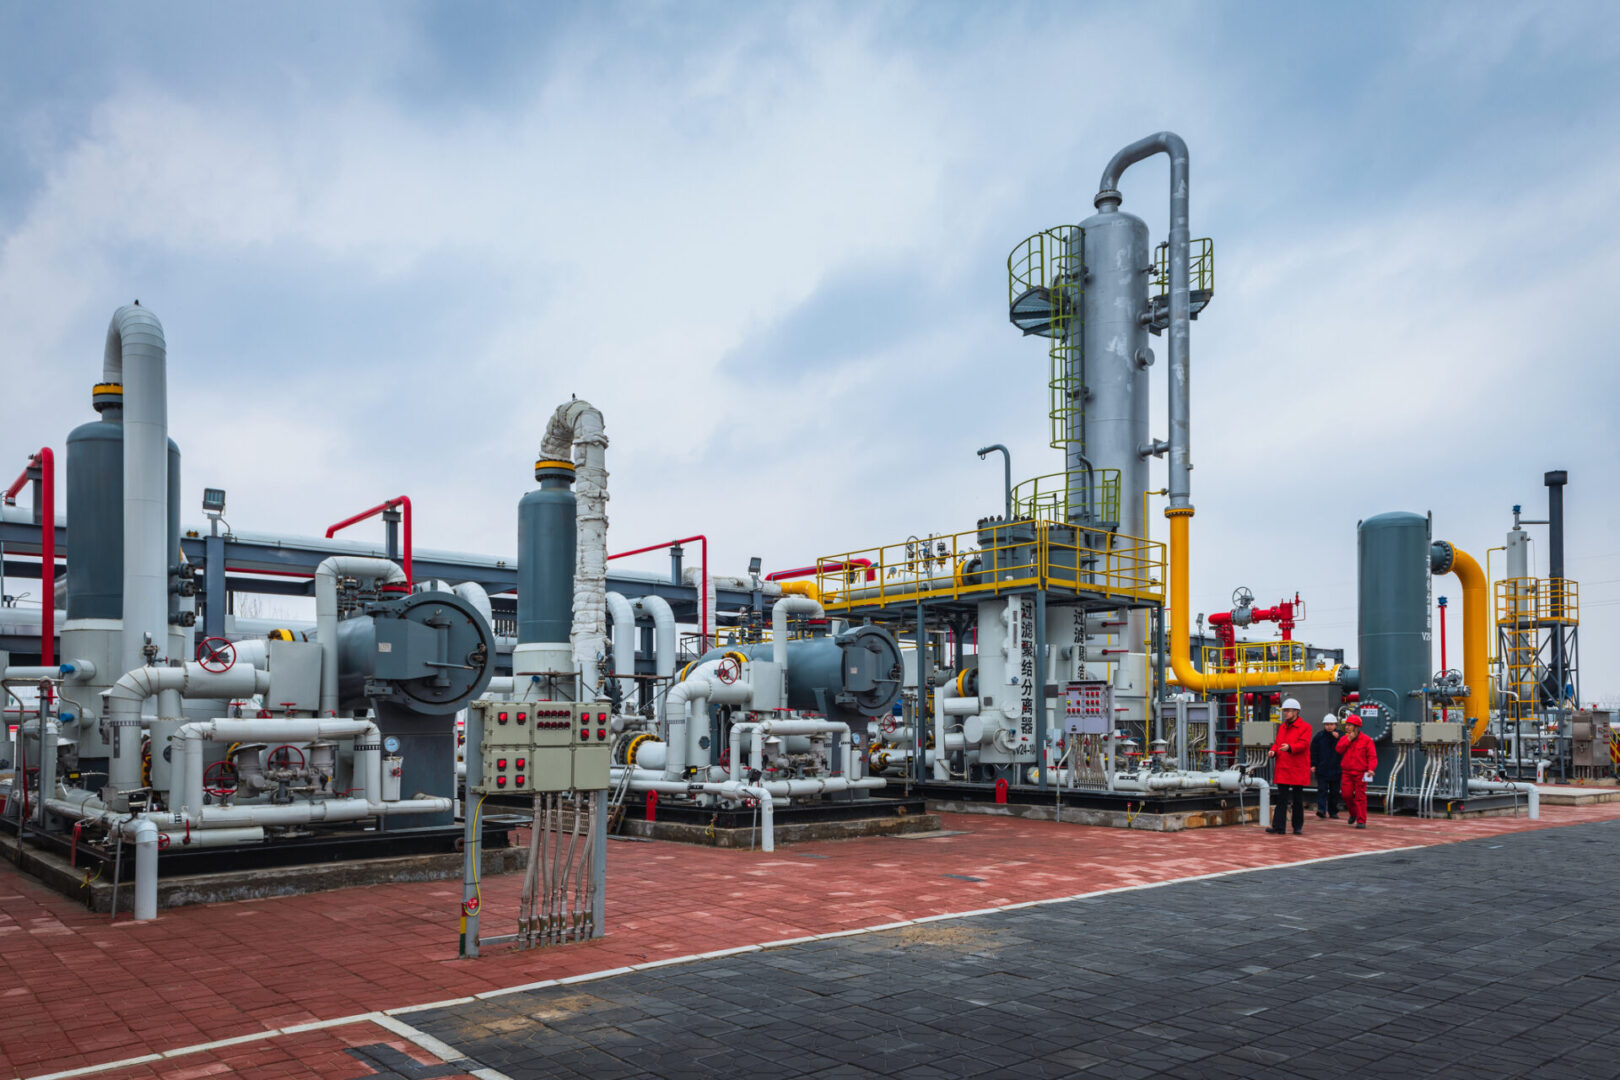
{"x": 132, "y": 327}
{"x": 1163, "y": 142}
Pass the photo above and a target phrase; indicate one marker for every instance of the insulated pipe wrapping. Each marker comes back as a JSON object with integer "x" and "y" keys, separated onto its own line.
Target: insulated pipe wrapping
{"x": 379, "y": 571}
{"x": 576, "y": 427}
{"x": 135, "y": 357}
{"x": 624, "y": 648}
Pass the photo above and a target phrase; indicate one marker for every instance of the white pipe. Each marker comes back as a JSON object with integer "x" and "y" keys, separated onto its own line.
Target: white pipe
{"x": 124, "y": 701}
{"x": 577, "y": 426}
{"x": 788, "y": 605}
{"x": 135, "y": 358}
{"x": 190, "y": 738}
{"x": 830, "y": 785}
{"x": 1532, "y": 793}
{"x": 663, "y": 650}
{"x": 380, "y": 571}
{"x": 476, "y": 595}
{"x": 689, "y": 703}
{"x": 500, "y": 688}
{"x": 624, "y": 649}
{"x": 760, "y": 729}
{"x": 145, "y": 836}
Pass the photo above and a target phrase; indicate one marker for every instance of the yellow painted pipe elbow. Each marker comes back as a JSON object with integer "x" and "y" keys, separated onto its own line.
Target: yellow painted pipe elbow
{"x": 1189, "y": 677}
{"x": 1476, "y": 641}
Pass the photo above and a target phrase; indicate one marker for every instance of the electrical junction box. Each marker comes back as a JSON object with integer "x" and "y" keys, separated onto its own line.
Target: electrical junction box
{"x": 1442, "y": 733}
{"x": 295, "y": 675}
{"x": 544, "y": 746}
{"x": 1259, "y": 733}
{"x": 1404, "y": 732}
{"x": 1088, "y": 708}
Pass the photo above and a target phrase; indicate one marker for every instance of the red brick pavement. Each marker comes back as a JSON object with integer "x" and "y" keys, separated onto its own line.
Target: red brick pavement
{"x": 80, "y": 991}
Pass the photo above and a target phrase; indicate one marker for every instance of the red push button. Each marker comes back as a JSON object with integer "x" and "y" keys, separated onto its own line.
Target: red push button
{"x": 500, "y": 781}
{"x": 500, "y": 763}
{"x": 523, "y": 718}
{"x": 520, "y": 762}
{"x": 503, "y": 718}
{"x": 585, "y": 734}
{"x": 520, "y": 781}
{"x": 601, "y": 733}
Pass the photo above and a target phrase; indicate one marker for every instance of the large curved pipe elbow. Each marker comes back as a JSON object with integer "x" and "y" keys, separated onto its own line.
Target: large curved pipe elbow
{"x": 1189, "y": 677}
{"x": 1447, "y": 558}
{"x": 576, "y": 429}
{"x": 1108, "y": 199}
{"x": 1163, "y": 142}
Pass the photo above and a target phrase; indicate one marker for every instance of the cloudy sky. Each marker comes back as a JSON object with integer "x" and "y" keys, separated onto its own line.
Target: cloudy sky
{"x": 770, "y": 242}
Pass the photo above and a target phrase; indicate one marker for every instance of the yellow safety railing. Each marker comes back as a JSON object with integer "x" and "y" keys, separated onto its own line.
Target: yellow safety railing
{"x": 1047, "y": 497}
{"x": 1525, "y": 602}
{"x": 1258, "y": 657}
{"x": 1019, "y": 555}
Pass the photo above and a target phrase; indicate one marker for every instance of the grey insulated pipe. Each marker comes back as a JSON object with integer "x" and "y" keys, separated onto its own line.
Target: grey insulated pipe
{"x": 135, "y": 358}
{"x": 1107, "y": 200}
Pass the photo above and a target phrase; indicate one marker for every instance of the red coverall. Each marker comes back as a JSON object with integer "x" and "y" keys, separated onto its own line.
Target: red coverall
{"x": 1357, "y": 758}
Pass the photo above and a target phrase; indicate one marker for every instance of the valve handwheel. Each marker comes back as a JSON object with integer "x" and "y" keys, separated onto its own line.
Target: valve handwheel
{"x": 1242, "y": 597}
{"x": 163, "y": 840}
{"x": 215, "y": 654}
{"x": 889, "y": 725}
{"x": 216, "y": 776}
{"x": 281, "y": 757}
{"x": 728, "y": 671}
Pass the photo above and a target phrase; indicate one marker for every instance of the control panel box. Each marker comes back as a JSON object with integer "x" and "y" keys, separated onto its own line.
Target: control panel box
{"x": 544, "y": 746}
{"x": 1403, "y": 731}
{"x": 1258, "y": 733}
{"x": 1088, "y": 708}
{"x": 1444, "y": 733}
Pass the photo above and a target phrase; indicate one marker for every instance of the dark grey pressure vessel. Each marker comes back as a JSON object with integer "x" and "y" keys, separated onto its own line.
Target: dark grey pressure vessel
{"x": 1393, "y": 607}
{"x": 546, "y": 536}
{"x": 95, "y": 509}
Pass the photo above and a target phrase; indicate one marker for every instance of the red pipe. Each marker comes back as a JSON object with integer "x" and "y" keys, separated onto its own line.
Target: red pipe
{"x": 402, "y": 501}
{"x": 1443, "y": 666}
{"x": 703, "y": 585}
{"x": 812, "y": 571}
{"x": 46, "y": 462}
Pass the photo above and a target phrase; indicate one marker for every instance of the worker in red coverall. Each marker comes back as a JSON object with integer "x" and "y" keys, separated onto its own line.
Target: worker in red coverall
{"x": 1291, "y": 753}
{"x": 1358, "y": 760}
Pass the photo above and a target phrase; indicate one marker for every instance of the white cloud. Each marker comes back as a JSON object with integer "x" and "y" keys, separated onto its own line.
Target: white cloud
{"x": 630, "y": 218}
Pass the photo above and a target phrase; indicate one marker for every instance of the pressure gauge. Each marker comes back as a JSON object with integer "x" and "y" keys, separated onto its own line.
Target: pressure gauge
{"x": 391, "y": 744}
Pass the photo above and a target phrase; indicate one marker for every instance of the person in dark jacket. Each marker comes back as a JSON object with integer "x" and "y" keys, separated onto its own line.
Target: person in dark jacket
{"x": 1325, "y": 764}
{"x": 1292, "y": 769}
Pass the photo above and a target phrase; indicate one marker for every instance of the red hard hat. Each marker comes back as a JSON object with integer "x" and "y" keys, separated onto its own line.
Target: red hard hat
{"x": 1353, "y": 719}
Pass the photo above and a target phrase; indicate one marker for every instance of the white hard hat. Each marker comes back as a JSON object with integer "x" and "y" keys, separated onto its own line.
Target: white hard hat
{"x": 1330, "y": 718}
{"x": 1291, "y": 703}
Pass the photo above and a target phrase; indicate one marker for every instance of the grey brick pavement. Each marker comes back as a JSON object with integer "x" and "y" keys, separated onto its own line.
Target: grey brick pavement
{"x": 1488, "y": 959}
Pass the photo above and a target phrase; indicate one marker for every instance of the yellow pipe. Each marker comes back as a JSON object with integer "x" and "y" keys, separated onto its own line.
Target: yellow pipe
{"x": 1189, "y": 677}
{"x": 801, "y": 588}
{"x": 1476, "y": 638}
